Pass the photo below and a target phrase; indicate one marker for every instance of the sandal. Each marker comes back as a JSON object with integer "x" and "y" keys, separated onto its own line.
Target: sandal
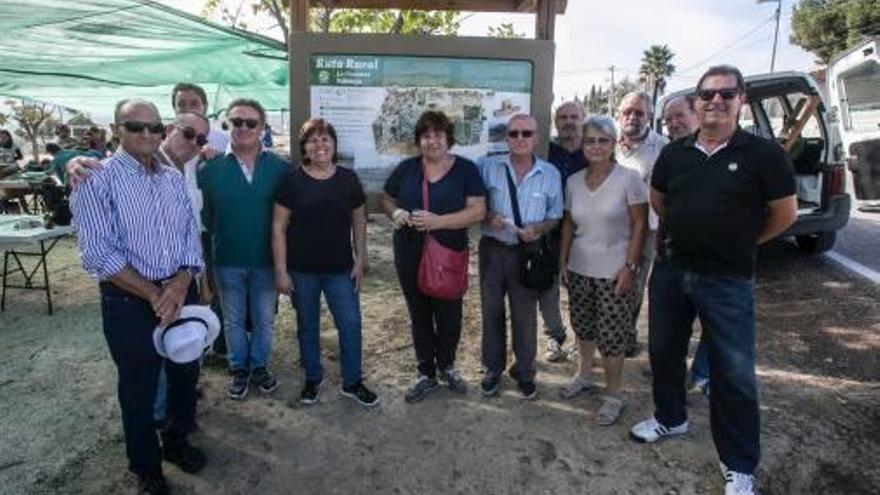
{"x": 611, "y": 410}
{"x": 577, "y": 385}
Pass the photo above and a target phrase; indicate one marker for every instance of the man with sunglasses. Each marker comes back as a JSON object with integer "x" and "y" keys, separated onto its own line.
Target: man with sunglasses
{"x": 719, "y": 193}
{"x": 238, "y": 188}
{"x": 139, "y": 237}
{"x": 538, "y": 194}
{"x": 638, "y": 148}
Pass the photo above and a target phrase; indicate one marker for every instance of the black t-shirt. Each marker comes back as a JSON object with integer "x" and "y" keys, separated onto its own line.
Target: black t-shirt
{"x": 447, "y": 195}
{"x": 319, "y": 234}
{"x": 716, "y": 205}
{"x": 568, "y": 163}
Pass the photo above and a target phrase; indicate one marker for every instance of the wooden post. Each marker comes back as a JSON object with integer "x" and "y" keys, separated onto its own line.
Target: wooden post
{"x": 299, "y": 15}
{"x": 545, "y": 19}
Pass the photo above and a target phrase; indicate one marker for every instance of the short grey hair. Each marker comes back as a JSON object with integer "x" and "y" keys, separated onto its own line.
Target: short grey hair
{"x": 601, "y": 123}
{"x": 645, "y": 98}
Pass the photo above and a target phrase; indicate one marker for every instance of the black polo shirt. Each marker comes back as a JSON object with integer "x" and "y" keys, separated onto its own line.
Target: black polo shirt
{"x": 716, "y": 205}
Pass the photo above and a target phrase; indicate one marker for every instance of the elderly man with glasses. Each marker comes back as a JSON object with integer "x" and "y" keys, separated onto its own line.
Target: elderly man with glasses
{"x": 238, "y": 188}
{"x": 524, "y": 203}
{"x": 139, "y": 237}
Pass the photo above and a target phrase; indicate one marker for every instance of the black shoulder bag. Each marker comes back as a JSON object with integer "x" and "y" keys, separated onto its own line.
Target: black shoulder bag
{"x": 537, "y": 263}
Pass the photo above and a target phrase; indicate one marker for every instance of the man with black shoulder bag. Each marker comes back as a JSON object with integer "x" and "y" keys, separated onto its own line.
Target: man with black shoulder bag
{"x": 516, "y": 255}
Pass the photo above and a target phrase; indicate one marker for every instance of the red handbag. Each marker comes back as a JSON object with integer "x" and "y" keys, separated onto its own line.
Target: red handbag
{"x": 443, "y": 272}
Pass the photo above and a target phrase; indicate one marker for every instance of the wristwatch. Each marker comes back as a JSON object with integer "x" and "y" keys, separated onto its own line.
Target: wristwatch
{"x": 633, "y": 267}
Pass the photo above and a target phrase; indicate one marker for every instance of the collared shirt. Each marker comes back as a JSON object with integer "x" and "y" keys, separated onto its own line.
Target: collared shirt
{"x": 248, "y": 172}
{"x": 567, "y": 162}
{"x": 642, "y": 158}
{"x": 539, "y": 194}
{"x": 127, "y": 217}
{"x": 716, "y": 205}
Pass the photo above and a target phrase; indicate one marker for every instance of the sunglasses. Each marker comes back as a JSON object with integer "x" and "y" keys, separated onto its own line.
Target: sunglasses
{"x": 250, "y": 123}
{"x": 189, "y": 133}
{"x": 526, "y": 133}
{"x": 602, "y": 140}
{"x": 709, "y": 94}
{"x": 136, "y": 127}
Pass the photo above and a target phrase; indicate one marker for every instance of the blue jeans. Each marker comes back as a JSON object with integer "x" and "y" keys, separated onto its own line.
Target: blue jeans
{"x": 345, "y": 307}
{"x": 250, "y": 289}
{"x": 725, "y": 306}
{"x": 700, "y": 364}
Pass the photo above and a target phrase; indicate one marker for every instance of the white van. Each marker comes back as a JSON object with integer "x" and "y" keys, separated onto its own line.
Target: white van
{"x": 854, "y": 91}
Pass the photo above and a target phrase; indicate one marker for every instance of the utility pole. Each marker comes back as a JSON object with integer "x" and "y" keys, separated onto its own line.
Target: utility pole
{"x": 777, "y": 15}
{"x": 611, "y": 93}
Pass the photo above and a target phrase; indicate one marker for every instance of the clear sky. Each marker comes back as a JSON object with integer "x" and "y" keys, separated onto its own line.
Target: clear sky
{"x": 596, "y": 34}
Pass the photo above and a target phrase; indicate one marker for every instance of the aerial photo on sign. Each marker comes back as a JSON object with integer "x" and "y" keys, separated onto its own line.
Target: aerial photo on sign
{"x": 374, "y": 102}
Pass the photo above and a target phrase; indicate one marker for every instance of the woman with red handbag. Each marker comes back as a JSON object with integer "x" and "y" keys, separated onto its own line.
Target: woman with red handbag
{"x": 433, "y": 199}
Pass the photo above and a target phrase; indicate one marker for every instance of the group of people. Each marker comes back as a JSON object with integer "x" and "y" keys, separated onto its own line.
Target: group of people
{"x": 614, "y": 202}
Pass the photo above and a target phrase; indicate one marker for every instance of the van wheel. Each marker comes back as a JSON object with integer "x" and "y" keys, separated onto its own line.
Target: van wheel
{"x": 816, "y": 243}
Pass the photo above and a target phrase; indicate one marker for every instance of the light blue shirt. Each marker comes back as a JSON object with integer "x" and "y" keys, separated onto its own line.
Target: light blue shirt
{"x": 126, "y": 217}
{"x": 539, "y": 194}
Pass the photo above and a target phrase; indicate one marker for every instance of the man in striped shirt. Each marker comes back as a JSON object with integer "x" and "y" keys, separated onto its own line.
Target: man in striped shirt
{"x": 539, "y": 197}
{"x": 139, "y": 237}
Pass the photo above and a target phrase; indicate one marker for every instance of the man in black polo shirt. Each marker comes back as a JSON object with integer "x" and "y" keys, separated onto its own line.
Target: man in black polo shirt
{"x": 719, "y": 194}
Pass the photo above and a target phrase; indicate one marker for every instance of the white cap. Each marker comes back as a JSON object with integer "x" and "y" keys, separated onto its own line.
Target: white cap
{"x": 185, "y": 339}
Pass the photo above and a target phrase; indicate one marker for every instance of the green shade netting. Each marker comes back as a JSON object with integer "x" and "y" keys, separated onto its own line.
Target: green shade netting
{"x": 87, "y": 55}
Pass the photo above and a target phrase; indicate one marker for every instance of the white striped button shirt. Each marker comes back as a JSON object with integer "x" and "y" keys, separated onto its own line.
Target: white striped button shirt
{"x": 539, "y": 193}
{"x": 125, "y": 216}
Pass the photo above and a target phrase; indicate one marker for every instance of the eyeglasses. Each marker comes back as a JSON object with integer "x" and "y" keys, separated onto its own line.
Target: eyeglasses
{"x": 189, "y": 133}
{"x": 602, "y": 140}
{"x": 136, "y": 127}
{"x": 250, "y": 123}
{"x": 526, "y": 133}
{"x": 709, "y": 94}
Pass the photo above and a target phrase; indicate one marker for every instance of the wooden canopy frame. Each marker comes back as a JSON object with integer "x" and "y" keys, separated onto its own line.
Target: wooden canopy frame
{"x": 545, "y": 10}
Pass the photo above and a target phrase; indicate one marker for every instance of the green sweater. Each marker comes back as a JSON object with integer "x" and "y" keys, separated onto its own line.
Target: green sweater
{"x": 238, "y": 214}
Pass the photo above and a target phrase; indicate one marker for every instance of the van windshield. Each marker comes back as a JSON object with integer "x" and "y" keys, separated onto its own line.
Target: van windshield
{"x": 862, "y": 89}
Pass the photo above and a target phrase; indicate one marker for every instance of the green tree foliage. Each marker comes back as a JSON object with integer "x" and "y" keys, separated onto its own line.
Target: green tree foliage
{"x": 328, "y": 19}
{"x": 35, "y": 122}
{"x": 505, "y": 30}
{"x": 827, "y": 27}
{"x": 656, "y": 68}
{"x": 597, "y": 100}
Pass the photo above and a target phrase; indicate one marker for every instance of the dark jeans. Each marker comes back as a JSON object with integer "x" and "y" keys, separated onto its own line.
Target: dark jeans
{"x": 435, "y": 323}
{"x": 725, "y": 306}
{"x": 129, "y": 322}
{"x": 499, "y": 277}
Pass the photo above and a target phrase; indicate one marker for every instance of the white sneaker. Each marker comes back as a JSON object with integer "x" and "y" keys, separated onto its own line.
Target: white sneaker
{"x": 737, "y": 483}
{"x": 650, "y": 430}
{"x": 555, "y": 352}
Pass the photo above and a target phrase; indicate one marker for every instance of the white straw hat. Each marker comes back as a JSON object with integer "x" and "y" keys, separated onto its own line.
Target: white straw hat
{"x": 185, "y": 339}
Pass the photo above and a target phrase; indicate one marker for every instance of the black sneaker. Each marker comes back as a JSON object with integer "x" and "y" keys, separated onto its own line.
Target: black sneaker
{"x": 454, "y": 380}
{"x": 310, "y": 391}
{"x": 490, "y": 385}
{"x": 183, "y": 455}
{"x": 264, "y": 379}
{"x": 237, "y": 388}
{"x": 153, "y": 484}
{"x": 528, "y": 389}
{"x": 423, "y": 386}
{"x": 361, "y": 394}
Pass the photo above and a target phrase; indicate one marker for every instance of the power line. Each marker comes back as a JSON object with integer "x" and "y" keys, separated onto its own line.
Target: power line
{"x": 729, "y": 45}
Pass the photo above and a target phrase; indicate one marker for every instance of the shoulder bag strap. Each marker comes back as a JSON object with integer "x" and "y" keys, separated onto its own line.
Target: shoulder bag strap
{"x": 514, "y": 200}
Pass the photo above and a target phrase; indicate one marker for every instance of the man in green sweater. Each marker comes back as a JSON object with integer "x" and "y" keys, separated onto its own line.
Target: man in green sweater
{"x": 238, "y": 189}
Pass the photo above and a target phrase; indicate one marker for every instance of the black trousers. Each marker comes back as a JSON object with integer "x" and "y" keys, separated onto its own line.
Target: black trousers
{"x": 129, "y": 322}
{"x": 435, "y": 323}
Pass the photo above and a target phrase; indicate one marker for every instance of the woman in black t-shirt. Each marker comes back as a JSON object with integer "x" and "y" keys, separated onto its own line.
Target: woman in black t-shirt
{"x": 457, "y": 200}
{"x": 319, "y": 208}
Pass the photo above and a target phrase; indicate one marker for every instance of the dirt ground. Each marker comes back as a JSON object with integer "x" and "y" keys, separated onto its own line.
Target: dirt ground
{"x": 819, "y": 366}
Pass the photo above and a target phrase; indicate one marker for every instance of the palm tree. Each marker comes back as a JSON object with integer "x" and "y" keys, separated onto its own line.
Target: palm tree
{"x": 656, "y": 68}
